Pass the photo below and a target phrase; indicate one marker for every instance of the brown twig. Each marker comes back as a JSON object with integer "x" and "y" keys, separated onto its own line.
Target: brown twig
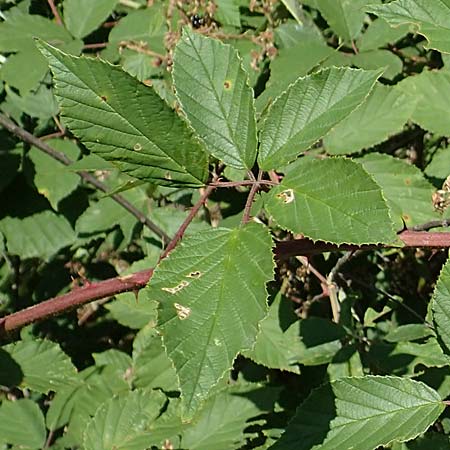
{"x": 63, "y": 159}
{"x": 179, "y": 234}
{"x": 73, "y": 299}
{"x": 432, "y": 224}
{"x": 134, "y": 282}
{"x": 408, "y": 238}
{"x": 141, "y": 48}
{"x": 95, "y": 45}
{"x": 230, "y": 184}
{"x": 250, "y": 198}
{"x": 55, "y": 12}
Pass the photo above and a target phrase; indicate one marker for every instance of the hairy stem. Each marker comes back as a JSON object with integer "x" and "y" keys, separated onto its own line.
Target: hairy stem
{"x": 63, "y": 159}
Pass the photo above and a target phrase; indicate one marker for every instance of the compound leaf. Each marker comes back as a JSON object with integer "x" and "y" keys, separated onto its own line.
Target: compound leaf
{"x": 332, "y": 200}
{"x": 213, "y": 90}
{"x": 124, "y": 121}
{"x": 362, "y": 413}
{"x": 308, "y": 110}
{"x": 212, "y": 297}
{"x": 430, "y": 19}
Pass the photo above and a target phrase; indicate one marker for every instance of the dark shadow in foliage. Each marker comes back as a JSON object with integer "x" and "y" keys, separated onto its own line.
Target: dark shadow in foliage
{"x": 316, "y": 331}
{"x": 311, "y": 422}
{"x": 11, "y": 374}
{"x": 382, "y": 361}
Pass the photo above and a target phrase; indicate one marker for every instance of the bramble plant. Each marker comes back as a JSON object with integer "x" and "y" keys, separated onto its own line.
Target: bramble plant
{"x": 215, "y": 224}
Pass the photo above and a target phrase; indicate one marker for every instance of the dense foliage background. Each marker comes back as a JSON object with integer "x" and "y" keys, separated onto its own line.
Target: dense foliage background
{"x": 99, "y": 172}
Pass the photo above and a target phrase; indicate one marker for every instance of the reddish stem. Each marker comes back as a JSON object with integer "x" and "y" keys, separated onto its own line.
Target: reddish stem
{"x": 55, "y": 12}
{"x": 96, "y": 291}
{"x": 77, "y": 297}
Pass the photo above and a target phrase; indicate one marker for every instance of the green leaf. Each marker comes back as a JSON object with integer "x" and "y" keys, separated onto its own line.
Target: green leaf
{"x": 82, "y": 17}
{"x": 379, "y": 34}
{"x": 409, "y": 332}
{"x": 19, "y": 30}
{"x": 291, "y": 63}
{"x": 308, "y": 110}
{"x": 22, "y": 424}
{"x": 24, "y": 70}
{"x": 222, "y": 422}
{"x": 39, "y": 365}
{"x": 213, "y": 90}
{"x": 430, "y": 91}
{"x": 151, "y": 366}
{"x": 144, "y": 25}
{"x": 430, "y": 19}
{"x": 383, "y": 114}
{"x": 40, "y": 235}
{"x": 75, "y": 404}
{"x": 345, "y": 17}
{"x": 362, "y": 413}
{"x": 52, "y": 179}
{"x": 40, "y": 103}
{"x": 123, "y": 421}
{"x": 320, "y": 341}
{"x": 408, "y": 193}
{"x": 333, "y": 200}
{"x": 440, "y": 305}
{"x": 129, "y": 124}
{"x": 276, "y": 344}
{"x": 212, "y": 297}
{"x": 376, "y": 59}
{"x": 440, "y": 164}
{"x": 132, "y": 312}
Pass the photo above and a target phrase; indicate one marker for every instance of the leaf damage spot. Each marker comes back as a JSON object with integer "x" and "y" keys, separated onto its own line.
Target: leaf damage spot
{"x": 227, "y": 85}
{"x": 287, "y": 196}
{"x": 104, "y": 97}
{"x": 137, "y": 146}
{"x": 183, "y": 312}
{"x": 167, "y": 176}
{"x": 195, "y": 274}
{"x": 177, "y": 288}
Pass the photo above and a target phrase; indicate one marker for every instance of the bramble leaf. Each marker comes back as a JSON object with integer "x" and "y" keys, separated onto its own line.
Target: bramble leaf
{"x": 333, "y": 200}
{"x": 22, "y": 424}
{"x": 430, "y": 19}
{"x": 213, "y": 90}
{"x": 212, "y": 297}
{"x": 124, "y": 121}
{"x": 308, "y": 110}
{"x": 84, "y": 16}
{"x": 362, "y": 413}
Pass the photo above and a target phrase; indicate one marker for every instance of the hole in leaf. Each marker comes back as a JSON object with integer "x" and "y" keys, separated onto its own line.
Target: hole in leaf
{"x": 177, "y": 288}
{"x": 183, "y": 312}
{"x": 196, "y": 274}
{"x": 286, "y": 196}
